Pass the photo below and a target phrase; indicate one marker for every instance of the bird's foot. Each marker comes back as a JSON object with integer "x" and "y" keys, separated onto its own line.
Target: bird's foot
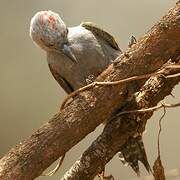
{"x": 90, "y": 79}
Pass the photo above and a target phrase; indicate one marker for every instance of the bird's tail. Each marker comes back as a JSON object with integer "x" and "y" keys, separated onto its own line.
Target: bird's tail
{"x": 132, "y": 152}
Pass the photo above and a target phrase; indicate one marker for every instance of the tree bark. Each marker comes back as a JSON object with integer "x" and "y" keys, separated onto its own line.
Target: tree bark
{"x": 87, "y": 110}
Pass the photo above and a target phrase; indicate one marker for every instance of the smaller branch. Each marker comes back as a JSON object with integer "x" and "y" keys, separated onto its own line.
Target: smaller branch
{"x": 165, "y": 71}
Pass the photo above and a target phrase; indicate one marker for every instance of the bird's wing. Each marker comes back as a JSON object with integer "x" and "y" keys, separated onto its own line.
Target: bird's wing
{"x": 109, "y": 39}
{"x": 61, "y": 80}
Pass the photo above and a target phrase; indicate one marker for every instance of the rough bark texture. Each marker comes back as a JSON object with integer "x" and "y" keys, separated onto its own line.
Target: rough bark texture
{"x": 87, "y": 110}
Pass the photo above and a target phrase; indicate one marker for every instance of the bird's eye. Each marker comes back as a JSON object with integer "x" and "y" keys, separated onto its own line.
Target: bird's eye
{"x": 46, "y": 44}
{"x": 67, "y": 30}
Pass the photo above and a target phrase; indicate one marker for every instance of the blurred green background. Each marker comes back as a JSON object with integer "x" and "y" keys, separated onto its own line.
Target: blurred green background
{"x": 29, "y": 95}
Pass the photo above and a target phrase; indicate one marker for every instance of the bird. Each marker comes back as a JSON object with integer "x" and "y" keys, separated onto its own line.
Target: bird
{"x": 76, "y": 56}
{"x": 73, "y": 53}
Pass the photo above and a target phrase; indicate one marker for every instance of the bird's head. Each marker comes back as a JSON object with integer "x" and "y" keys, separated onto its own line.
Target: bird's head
{"x": 48, "y": 30}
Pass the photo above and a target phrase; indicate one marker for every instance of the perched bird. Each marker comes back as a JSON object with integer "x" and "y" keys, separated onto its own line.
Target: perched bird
{"x": 76, "y": 56}
{"x": 75, "y": 53}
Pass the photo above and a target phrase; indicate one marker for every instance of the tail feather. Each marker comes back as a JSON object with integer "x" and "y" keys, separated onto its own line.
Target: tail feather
{"x": 132, "y": 152}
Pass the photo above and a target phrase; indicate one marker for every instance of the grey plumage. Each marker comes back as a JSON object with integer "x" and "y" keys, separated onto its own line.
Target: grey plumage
{"x": 77, "y": 54}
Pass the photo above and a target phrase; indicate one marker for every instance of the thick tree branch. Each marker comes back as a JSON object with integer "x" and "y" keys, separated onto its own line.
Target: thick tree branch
{"x": 87, "y": 110}
{"x": 120, "y": 128}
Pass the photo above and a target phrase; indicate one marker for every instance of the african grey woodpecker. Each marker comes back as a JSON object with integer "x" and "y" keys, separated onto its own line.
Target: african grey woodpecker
{"x": 77, "y": 54}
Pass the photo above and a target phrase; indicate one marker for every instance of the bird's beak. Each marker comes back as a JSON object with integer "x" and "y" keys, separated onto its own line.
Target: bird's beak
{"x": 68, "y": 52}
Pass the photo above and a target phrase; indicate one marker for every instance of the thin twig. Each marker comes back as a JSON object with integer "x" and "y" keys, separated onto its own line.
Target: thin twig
{"x": 160, "y": 129}
{"x": 162, "y": 105}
